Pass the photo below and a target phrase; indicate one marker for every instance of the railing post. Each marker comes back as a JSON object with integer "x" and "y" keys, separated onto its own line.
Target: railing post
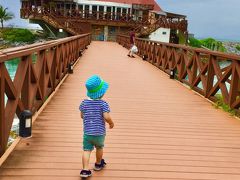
{"x": 182, "y": 64}
{"x": 53, "y": 71}
{"x": 2, "y": 112}
{"x": 234, "y": 84}
{"x": 154, "y": 53}
{"x": 25, "y": 97}
{"x": 210, "y": 76}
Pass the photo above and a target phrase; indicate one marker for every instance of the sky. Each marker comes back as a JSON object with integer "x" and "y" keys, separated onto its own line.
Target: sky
{"x": 219, "y": 19}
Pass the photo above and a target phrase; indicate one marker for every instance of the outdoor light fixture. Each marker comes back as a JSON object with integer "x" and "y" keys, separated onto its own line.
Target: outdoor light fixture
{"x": 80, "y": 53}
{"x": 25, "y": 125}
{"x": 61, "y": 30}
{"x": 70, "y": 68}
{"x": 172, "y": 74}
{"x": 144, "y": 57}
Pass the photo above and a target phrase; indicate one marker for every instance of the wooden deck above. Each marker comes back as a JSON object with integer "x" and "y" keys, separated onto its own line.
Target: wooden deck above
{"x": 163, "y": 130}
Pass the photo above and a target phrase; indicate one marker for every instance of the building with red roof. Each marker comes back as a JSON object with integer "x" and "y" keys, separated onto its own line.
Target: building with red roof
{"x": 105, "y": 18}
{"x": 150, "y": 2}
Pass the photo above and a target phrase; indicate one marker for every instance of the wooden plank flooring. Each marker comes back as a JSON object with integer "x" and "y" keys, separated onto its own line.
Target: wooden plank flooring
{"x": 163, "y": 130}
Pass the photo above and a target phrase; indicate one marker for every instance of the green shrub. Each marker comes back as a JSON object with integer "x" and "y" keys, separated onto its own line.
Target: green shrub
{"x": 194, "y": 42}
{"x": 221, "y": 104}
{"x": 182, "y": 38}
{"x": 221, "y": 47}
{"x": 238, "y": 47}
{"x": 208, "y": 42}
{"x": 18, "y": 35}
{"x": 213, "y": 44}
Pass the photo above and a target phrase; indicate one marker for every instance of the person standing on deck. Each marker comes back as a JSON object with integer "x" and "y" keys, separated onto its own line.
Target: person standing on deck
{"x": 132, "y": 42}
{"x": 94, "y": 112}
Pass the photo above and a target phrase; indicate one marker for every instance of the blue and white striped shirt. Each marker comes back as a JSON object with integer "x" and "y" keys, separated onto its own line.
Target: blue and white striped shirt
{"x": 93, "y": 120}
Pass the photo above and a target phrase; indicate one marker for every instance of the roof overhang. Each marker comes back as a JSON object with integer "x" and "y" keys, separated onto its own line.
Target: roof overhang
{"x": 160, "y": 13}
{"x": 173, "y": 15}
{"x": 143, "y": 6}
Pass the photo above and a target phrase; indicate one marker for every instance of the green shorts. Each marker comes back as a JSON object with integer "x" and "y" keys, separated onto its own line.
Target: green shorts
{"x": 89, "y": 142}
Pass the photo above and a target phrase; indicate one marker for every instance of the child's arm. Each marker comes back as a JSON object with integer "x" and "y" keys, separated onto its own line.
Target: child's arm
{"x": 81, "y": 114}
{"x": 108, "y": 119}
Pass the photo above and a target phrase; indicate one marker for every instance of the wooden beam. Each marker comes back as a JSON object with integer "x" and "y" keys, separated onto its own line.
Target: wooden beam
{"x": 2, "y": 111}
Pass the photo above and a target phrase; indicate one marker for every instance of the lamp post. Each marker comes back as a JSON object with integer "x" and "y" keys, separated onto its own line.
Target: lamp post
{"x": 172, "y": 74}
{"x": 144, "y": 57}
{"x": 80, "y": 53}
{"x": 70, "y": 68}
{"x": 25, "y": 125}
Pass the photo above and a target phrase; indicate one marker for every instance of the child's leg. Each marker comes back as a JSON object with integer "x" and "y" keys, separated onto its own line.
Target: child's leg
{"x": 99, "y": 144}
{"x": 99, "y": 155}
{"x": 85, "y": 159}
{"x": 87, "y": 149}
{"x": 129, "y": 52}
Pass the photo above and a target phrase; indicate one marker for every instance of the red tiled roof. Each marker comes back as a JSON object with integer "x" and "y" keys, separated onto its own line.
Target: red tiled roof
{"x": 156, "y": 6}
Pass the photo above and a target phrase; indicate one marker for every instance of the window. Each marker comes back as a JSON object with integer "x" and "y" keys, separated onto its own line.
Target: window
{"x": 164, "y": 33}
{"x": 80, "y": 7}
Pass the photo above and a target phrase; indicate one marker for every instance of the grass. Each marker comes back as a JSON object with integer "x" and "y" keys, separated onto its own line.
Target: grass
{"x": 222, "y": 105}
{"x": 13, "y": 135}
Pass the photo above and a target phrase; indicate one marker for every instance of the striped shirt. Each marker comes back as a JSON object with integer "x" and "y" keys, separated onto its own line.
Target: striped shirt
{"x": 93, "y": 120}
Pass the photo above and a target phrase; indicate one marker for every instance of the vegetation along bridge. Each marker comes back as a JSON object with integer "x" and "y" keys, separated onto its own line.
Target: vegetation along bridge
{"x": 163, "y": 130}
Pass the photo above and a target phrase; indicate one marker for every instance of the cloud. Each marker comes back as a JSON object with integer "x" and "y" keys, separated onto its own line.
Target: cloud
{"x": 214, "y": 18}
{"x": 14, "y": 7}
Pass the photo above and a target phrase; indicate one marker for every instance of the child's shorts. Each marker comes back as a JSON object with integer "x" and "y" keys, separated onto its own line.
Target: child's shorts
{"x": 89, "y": 142}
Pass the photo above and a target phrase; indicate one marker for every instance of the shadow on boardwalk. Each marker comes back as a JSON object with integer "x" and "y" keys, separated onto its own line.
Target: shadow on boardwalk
{"x": 162, "y": 129}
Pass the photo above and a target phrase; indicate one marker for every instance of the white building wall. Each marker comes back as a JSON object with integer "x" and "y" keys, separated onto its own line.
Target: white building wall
{"x": 87, "y": 2}
{"x": 161, "y": 34}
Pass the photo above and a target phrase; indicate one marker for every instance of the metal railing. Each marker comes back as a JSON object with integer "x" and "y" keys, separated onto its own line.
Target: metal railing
{"x": 41, "y": 67}
{"x": 207, "y": 72}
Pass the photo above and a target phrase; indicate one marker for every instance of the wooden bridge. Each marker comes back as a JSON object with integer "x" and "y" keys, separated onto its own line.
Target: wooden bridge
{"x": 163, "y": 128}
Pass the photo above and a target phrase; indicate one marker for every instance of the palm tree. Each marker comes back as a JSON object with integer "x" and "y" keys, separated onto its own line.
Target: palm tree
{"x": 4, "y": 15}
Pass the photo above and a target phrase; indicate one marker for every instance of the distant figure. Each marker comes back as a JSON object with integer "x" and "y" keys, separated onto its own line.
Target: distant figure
{"x": 132, "y": 43}
{"x": 94, "y": 112}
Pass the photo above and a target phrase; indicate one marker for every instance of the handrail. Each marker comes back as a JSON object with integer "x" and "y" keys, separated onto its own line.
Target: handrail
{"x": 203, "y": 70}
{"x": 199, "y": 50}
{"x": 35, "y": 79}
{"x": 10, "y": 53}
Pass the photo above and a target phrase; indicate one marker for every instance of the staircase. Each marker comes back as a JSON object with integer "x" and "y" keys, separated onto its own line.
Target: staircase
{"x": 59, "y": 24}
{"x": 147, "y": 28}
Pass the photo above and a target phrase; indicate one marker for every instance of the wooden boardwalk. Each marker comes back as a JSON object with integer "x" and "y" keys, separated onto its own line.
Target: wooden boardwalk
{"x": 163, "y": 130}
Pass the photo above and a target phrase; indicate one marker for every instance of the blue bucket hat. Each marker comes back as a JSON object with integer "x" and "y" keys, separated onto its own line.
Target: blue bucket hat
{"x": 96, "y": 87}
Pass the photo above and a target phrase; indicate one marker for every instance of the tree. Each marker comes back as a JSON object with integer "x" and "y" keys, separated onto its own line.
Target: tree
{"x": 194, "y": 42}
{"x": 4, "y": 15}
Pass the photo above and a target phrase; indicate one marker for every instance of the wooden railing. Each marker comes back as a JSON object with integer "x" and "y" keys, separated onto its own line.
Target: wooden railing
{"x": 207, "y": 72}
{"x": 54, "y": 21}
{"x": 162, "y": 22}
{"x": 41, "y": 67}
{"x": 81, "y": 15}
